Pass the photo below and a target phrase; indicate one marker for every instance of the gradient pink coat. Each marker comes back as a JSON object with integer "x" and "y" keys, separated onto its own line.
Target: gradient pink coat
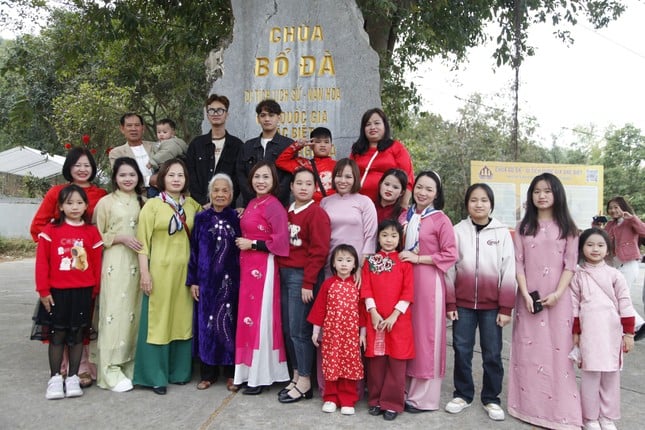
{"x": 484, "y": 276}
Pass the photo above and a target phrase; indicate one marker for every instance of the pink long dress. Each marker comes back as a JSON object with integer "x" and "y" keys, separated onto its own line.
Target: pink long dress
{"x": 542, "y": 386}
{"x": 260, "y": 357}
{"x": 425, "y": 372}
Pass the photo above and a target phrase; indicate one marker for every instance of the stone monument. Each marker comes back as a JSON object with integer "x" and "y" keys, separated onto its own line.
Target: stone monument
{"x": 312, "y": 57}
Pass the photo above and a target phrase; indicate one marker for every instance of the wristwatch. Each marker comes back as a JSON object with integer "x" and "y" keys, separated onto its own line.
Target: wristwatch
{"x": 254, "y": 245}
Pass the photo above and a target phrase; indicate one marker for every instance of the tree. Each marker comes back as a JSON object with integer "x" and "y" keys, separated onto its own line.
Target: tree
{"x": 27, "y": 84}
{"x": 91, "y": 110}
{"x": 403, "y": 32}
{"x": 150, "y": 54}
{"x": 623, "y": 157}
{"x": 407, "y": 32}
{"x": 481, "y": 133}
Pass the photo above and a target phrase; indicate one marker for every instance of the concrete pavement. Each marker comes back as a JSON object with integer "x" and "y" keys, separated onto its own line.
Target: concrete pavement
{"x": 24, "y": 373}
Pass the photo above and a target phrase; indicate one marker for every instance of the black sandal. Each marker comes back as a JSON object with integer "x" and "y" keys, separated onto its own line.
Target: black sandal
{"x": 286, "y": 398}
{"x": 285, "y": 390}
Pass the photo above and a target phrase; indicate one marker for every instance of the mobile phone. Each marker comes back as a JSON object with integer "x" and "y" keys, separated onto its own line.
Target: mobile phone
{"x": 537, "y": 305}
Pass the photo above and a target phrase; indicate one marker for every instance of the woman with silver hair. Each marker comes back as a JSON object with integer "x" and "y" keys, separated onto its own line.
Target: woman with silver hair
{"x": 214, "y": 281}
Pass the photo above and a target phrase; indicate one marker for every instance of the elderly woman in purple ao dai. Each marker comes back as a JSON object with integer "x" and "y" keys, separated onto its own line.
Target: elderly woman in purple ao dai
{"x": 214, "y": 280}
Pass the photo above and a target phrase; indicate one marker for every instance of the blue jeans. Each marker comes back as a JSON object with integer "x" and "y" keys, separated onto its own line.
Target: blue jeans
{"x": 463, "y": 342}
{"x": 297, "y": 331}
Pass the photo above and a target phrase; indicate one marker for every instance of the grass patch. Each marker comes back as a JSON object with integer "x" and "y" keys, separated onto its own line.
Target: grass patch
{"x": 11, "y": 249}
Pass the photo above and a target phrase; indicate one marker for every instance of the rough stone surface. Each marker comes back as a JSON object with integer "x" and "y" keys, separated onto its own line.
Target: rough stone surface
{"x": 313, "y": 58}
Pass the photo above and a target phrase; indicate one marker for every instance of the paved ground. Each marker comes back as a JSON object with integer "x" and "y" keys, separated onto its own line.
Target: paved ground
{"x": 24, "y": 373}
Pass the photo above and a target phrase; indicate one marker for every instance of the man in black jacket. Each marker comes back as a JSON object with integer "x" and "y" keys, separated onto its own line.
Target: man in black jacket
{"x": 268, "y": 146}
{"x": 214, "y": 152}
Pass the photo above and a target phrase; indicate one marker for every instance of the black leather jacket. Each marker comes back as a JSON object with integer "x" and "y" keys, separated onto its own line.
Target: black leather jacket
{"x": 200, "y": 160}
{"x": 251, "y": 153}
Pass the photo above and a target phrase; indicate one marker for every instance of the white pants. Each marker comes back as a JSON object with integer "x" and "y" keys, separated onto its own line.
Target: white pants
{"x": 629, "y": 269}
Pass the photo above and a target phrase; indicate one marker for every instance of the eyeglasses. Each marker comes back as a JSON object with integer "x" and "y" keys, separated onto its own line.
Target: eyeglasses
{"x": 218, "y": 111}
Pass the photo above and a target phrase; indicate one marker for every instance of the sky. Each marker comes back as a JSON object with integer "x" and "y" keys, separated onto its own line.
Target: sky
{"x": 599, "y": 79}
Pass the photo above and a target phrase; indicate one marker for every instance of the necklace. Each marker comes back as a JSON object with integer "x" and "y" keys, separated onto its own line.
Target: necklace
{"x": 260, "y": 203}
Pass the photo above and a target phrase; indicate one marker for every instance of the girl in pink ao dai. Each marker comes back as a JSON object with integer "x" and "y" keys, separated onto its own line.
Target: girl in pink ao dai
{"x": 603, "y": 329}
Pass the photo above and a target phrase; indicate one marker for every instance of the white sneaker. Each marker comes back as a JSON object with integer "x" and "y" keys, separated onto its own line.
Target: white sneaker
{"x": 456, "y": 405}
{"x": 495, "y": 411}
{"x": 592, "y": 425}
{"x": 329, "y": 407}
{"x": 607, "y": 424}
{"x": 73, "y": 387}
{"x": 123, "y": 386}
{"x": 55, "y": 388}
{"x": 347, "y": 410}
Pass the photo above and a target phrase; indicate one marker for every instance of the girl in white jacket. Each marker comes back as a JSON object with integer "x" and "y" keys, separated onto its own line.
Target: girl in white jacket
{"x": 480, "y": 292}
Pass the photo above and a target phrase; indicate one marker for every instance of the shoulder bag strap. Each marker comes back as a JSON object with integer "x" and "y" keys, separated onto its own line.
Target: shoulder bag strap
{"x": 317, "y": 178}
{"x": 367, "y": 169}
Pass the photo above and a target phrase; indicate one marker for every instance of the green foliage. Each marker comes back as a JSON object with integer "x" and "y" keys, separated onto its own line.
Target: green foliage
{"x": 17, "y": 248}
{"x": 27, "y": 83}
{"x": 96, "y": 60}
{"x": 35, "y": 187}
{"x": 92, "y": 110}
{"x": 481, "y": 133}
{"x": 407, "y": 32}
{"x": 620, "y": 150}
{"x": 623, "y": 157}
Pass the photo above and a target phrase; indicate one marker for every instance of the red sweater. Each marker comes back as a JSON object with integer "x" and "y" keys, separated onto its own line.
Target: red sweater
{"x": 68, "y": 256}
{"x": 387, "y": 212}
{"x": 48, "y": 209}
{"x": 309, "y": 235}
{"x": 289, "y": 161}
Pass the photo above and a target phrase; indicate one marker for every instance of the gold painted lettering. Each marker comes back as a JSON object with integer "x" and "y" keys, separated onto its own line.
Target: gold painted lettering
{"x": 261, "y": 66}
{"x": 288, "y": 34}
{"x": 274, "y": 35}
{"x": 303, "y": 33}
{"x": 307, "y": 65}
{"x": 317, "y": 34}
{"x": 327, "y": 65}
{"x": 281, "y": 65}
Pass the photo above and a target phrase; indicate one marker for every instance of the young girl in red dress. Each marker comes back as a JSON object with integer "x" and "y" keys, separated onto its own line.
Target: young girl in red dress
{"x": 68, "y": 274}
{"x": 336, "y": 311}
{"x": 388, "y": 289}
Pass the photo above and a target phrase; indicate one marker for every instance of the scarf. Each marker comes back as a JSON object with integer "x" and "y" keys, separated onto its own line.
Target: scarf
{"x": 413, "y": 221}
{"x": 178, "y": 220}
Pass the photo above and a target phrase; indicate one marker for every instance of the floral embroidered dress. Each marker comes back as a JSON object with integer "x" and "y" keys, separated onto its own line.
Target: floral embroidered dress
{"x": 260, "y": 355}
{"x": 542, "y": 387}
{"x": 336, "y": 311}
{"x": 214, "y": 265}
{"x": 120, "y": 298}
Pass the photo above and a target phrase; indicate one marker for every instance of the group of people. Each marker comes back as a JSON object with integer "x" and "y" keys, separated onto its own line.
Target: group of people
{"x": 322, "y": 263}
